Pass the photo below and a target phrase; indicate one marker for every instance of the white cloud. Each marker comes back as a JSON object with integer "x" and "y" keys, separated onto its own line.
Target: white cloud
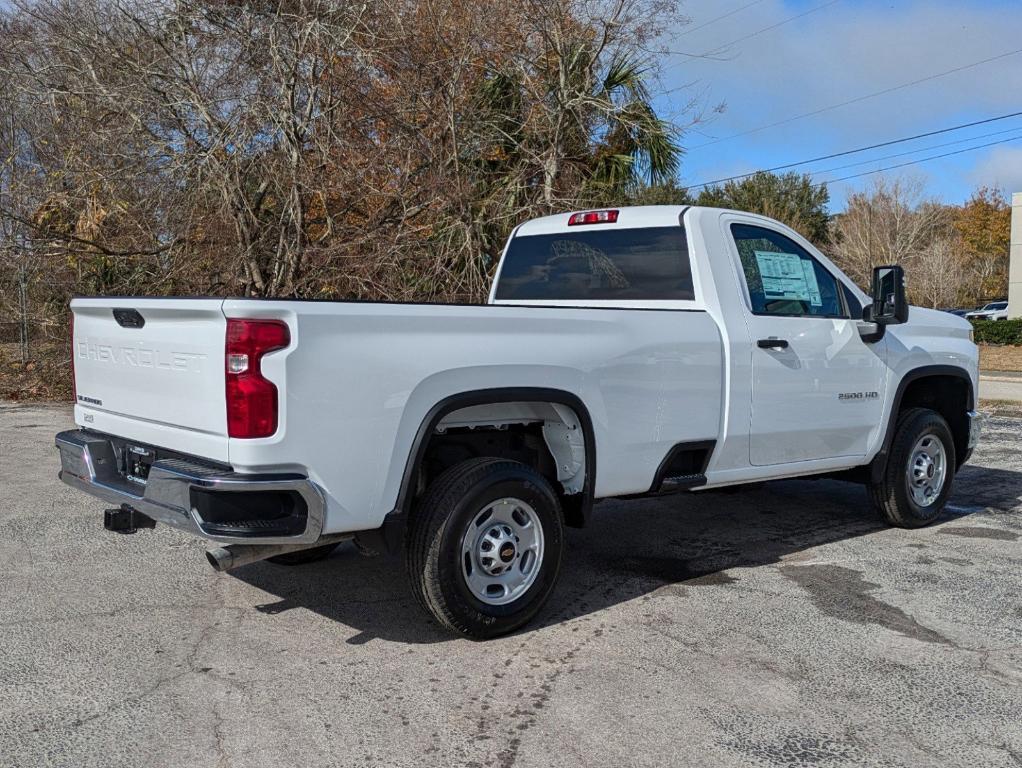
{"x": 1001, "y": 168}
{"x": 851, "y": 49}
{"x": 848, "y": 50}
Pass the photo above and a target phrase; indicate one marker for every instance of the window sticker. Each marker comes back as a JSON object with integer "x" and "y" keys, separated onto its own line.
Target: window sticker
{"x": 787, "y": 276}
{"x": 814, "y": 287}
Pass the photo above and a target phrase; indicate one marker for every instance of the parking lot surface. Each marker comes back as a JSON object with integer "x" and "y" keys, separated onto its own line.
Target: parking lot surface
{"x": 779, "y": 626}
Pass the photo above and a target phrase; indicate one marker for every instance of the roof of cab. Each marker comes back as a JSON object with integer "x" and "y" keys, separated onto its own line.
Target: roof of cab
{"x": 628, "y": 217}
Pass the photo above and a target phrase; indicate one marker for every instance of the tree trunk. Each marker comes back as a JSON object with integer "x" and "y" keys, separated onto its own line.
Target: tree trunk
{"x": 23, "y": 307}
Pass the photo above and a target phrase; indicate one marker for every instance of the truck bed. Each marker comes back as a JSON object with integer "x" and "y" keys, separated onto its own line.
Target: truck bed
{"x": 358, "y": 380}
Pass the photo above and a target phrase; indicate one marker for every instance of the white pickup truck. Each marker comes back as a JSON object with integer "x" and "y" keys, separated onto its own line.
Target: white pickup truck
{"x": 626, "y": 352}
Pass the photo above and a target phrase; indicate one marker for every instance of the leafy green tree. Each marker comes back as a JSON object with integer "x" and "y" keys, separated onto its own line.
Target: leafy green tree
{"x": 791, "y": 198}
{"x": 983, "y": 225}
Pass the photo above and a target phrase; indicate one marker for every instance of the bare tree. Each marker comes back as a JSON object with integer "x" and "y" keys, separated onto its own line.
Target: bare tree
{"x": 893, "y": 223}
{"x": 376, "y": 149}
{"x": 935, "y": 274}
{"x": 890, "y": 223}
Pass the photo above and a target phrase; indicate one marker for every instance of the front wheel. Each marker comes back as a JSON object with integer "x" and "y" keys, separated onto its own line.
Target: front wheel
{"x": 484, "y": 546}
{"x": 920, "y": 466}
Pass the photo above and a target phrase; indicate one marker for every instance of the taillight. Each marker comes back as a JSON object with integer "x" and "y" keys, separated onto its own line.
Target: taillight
{"x": 74, "y": 384}
{"x": 251, "y": 399}
{"x": 593, "y": 217}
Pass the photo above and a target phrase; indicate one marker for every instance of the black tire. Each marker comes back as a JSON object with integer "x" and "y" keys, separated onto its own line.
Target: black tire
{"x": 303, "y": 556}
{"x": 433, "y": 545}
{"x": 891, "y": 496}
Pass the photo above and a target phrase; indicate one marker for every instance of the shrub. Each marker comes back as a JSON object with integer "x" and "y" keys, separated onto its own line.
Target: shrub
{"x": 998, "y": 331}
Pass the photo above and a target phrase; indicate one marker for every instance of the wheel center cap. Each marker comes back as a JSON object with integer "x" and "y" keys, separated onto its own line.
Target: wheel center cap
{"x": 507, "y": 552}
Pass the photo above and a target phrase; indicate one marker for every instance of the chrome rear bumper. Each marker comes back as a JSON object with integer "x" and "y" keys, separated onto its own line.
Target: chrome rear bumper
{"x": 89, "y": 463}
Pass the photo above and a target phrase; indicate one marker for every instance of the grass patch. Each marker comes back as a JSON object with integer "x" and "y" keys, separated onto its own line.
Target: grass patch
{"x": 1000, "y": 357}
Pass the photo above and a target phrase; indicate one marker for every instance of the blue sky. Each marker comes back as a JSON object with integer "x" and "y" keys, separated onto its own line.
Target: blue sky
{"x": 848, "y": 49}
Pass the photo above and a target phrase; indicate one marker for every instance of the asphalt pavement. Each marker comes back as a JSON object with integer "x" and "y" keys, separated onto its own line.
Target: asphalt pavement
{"x": 782, "y": 626}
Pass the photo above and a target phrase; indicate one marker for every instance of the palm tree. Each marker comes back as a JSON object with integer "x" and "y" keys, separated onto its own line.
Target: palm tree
{"x": 563, "y": 128}
{"x": 637, "y": 145}
{"x": 573, "y": 128}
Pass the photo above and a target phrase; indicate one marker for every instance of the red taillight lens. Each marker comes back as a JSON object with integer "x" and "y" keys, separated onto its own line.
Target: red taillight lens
{"x": 251, "y": 399}
{"x": 74, "y": 384}
{"x": 593, "y": 217}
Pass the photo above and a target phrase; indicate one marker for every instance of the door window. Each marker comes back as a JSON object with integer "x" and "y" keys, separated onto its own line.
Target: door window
{"x": 783, "y": 277}
{"x": 852, "y": 302}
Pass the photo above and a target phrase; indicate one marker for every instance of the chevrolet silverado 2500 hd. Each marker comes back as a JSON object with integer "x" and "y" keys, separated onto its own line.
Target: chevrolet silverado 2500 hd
{"x": 623, "y": 352}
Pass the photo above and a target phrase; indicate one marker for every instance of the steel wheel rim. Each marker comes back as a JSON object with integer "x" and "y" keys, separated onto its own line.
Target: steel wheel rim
{"x": 502, "y": 551}
{"x": 927, "y": 470}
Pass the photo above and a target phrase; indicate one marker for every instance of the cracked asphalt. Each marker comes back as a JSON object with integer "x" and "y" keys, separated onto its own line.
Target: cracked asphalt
{"x": 782, "y": 626}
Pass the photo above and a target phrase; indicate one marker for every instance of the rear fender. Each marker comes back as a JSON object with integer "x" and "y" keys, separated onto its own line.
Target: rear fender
{"x": 577, "y": 506}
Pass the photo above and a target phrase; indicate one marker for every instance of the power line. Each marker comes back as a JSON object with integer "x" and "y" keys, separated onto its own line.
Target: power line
{"x": 855, "y": 151}
{"x": 721, "y": 17}
{"x": 858, "y": 99}
{"x": 921, "y": 160}
{"x": 772, "y": 26}
{"x": 917, "y": 151}
{"x": 754, "y": 34}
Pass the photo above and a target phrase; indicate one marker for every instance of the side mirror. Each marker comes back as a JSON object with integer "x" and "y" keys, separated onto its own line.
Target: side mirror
{"x": 889, "y": 307}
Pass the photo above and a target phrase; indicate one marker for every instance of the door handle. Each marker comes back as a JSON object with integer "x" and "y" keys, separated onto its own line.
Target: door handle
{"x": 772, "y": 344}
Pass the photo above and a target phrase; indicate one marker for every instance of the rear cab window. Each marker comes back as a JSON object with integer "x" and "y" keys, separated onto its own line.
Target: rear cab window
{"x": 644, "y": 263}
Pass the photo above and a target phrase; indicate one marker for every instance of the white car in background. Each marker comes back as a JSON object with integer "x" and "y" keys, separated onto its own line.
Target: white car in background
{"x": 995, "y": 310}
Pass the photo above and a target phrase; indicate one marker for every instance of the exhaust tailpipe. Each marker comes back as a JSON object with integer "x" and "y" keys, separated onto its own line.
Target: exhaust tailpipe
{"x": 234, "y": 555}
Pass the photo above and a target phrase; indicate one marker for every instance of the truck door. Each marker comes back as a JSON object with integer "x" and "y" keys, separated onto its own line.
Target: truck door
{"x": 817, "y": 389}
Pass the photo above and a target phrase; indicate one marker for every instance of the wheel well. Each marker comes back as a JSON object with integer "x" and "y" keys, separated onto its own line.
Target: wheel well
{"x": 549, "y": 437}
{"x": 951, "y": 397}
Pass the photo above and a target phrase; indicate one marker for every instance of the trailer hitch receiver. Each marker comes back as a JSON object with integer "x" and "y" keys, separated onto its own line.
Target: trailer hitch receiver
{"x": 125, "y": 519}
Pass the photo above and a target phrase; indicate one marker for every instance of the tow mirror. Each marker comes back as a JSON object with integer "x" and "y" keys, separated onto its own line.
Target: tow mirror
{"x": 889, "y": 306}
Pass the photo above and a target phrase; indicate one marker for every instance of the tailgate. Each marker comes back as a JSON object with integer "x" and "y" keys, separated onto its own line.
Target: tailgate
{"x": 152, "y": 370}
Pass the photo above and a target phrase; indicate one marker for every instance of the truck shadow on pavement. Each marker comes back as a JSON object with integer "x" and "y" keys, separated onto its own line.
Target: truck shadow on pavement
{"x": 629, "y": 550}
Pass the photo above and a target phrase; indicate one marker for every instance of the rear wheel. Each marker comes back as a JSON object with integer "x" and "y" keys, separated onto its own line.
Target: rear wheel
{"x": 920, "y": 467}
{"x": 484, "y": 546}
